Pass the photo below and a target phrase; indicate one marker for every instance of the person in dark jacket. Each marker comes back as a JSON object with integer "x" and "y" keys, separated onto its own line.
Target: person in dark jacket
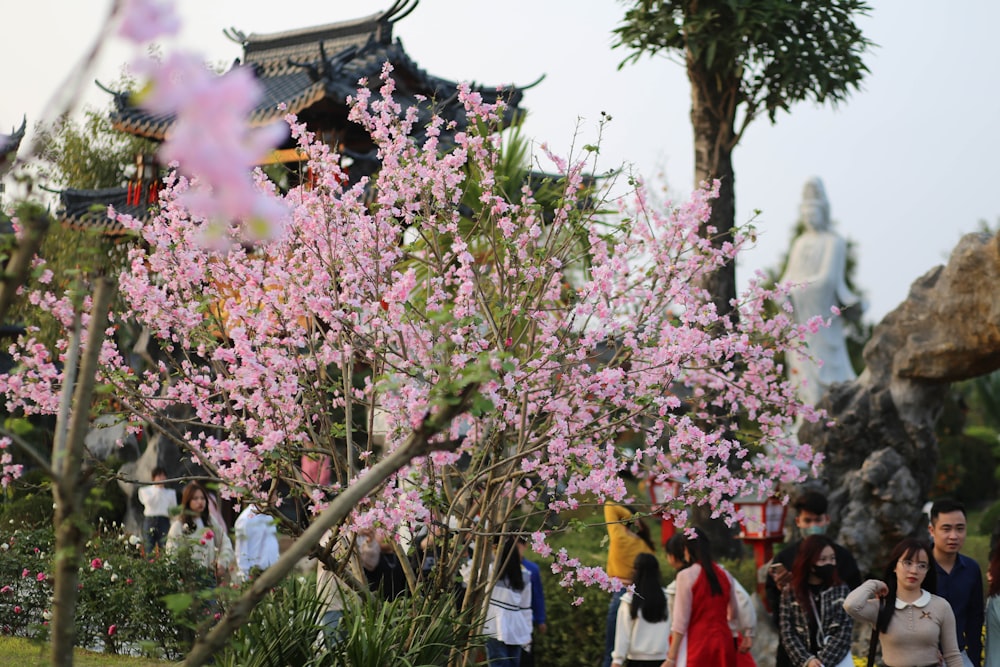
{"x": 811, "y": 518}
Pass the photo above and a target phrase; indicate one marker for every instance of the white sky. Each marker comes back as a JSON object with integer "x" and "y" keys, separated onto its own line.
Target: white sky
{"x": 908, "y": 163}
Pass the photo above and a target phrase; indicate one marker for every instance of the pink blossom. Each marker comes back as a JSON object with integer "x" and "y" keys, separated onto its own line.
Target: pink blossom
{"x": 145, "y": 20}
{"x": 96, "y": 564}
{"x": 41, "y": 576}
{"x": 112, "y": 629}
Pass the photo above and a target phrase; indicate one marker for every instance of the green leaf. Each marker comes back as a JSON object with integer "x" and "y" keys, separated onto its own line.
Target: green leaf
{"x": 18, "y": 426}
{"x": 178, "y": 603}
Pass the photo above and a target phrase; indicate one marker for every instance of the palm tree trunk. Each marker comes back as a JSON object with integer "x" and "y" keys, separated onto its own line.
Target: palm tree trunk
{"x": 713, "y": 118}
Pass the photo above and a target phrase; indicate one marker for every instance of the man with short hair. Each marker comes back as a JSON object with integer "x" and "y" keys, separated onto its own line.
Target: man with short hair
{"x": 959, "y": 579}
{"x": 811, "y": 518}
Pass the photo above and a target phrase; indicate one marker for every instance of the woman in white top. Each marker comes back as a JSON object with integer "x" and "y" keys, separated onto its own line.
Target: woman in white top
{"x": 508, "y": 613}
{"x": 193, "y": 531}
{"x": 642, "y": 633}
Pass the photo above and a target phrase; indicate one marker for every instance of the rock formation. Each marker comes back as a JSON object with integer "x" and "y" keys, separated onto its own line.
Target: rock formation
{"x": 881, "y": 453}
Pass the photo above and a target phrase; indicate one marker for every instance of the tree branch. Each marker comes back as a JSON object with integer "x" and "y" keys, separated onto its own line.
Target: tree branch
{"x": 418, "y": 444}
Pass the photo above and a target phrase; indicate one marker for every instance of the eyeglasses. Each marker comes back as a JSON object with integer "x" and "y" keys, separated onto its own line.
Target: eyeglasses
{"x": 910, "y": 564}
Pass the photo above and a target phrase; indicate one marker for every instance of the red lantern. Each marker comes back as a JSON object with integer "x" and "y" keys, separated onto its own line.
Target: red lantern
{"x": 762, "y": 527}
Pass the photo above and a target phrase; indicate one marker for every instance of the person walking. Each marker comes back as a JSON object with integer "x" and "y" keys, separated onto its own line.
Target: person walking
{"x": 815, "y": 629}
{"x": 508, "y": 612}
{"x": 642, "y": 632}
{"x": 157, "y": 502}
{"x": 811, "y": 518}
{"x": 915, "y": 626}
{"x": 628, "y": 536}
{"x": 705, "y": 601}
{"x": 959, "y": 579}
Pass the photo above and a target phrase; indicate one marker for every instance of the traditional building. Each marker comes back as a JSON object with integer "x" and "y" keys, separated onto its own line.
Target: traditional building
{"x": 311, "y": 72}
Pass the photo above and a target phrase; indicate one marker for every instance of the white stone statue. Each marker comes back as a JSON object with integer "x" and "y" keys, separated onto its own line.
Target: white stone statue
{"x": 816, "y": 265}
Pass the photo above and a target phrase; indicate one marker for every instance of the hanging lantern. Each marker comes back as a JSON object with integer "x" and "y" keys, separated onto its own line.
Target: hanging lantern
{"x": 661, "y": 493}
{"x": 762, "y": 519}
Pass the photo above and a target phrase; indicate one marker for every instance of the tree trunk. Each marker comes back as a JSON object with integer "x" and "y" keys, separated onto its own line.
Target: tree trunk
{"x": 713, "y": 118}
{"x": 67, "y": 460}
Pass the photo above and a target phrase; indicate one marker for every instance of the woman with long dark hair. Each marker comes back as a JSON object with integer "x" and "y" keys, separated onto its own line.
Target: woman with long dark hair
{"x": 912, "y": 622}
{"x": 705, "y": 601}
{"x": 508, "y": 613}
{"x": 192, "y": 530}
{"x": 815, "y": 629}
{"x": 628, "y": 536}
{"x": 642, "y": 633}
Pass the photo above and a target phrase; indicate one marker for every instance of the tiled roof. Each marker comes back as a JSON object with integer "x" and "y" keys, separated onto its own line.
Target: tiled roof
{"x": 303, "y": 67}
{"x": 88, "y": 209}
{"x": 9, "y": 143}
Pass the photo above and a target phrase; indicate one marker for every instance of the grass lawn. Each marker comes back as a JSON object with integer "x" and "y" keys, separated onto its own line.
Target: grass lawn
{"x": 24, "y": 653}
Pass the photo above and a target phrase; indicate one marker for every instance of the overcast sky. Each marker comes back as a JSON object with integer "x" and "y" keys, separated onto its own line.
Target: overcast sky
{"x": 908, "y": 162}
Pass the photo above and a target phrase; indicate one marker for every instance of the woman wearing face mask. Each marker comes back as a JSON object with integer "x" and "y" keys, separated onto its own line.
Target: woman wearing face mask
{"x": 815, "y": 628}
{"x": 915, "y": 626}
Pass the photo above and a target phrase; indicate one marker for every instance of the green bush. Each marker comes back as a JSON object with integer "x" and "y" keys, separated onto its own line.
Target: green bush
{"x": 121, "y": 604}
{"x": 27, "y": 502}
{"x": 966, "y": 468}
{"x": 575, "y": 632}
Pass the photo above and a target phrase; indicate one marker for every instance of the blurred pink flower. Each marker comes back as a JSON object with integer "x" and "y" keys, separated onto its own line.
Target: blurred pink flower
{"x": 112, "y": 629}
{"x": 96, "y": 564}
{"x": 145, "y": 20}
{"x": 41, "y": 576}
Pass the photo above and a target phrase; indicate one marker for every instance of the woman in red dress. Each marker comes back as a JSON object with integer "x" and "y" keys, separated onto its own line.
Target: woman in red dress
{"x": 705, "y": 601}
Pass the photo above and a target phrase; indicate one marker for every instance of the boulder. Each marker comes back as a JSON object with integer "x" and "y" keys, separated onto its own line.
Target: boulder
{"x": 881, "y": 451}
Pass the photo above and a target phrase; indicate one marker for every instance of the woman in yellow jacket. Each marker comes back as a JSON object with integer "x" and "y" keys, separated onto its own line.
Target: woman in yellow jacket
{"x": 628, "y": 537}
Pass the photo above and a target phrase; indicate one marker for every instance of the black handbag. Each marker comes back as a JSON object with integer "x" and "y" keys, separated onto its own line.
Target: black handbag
{"x": 874, "y": 641}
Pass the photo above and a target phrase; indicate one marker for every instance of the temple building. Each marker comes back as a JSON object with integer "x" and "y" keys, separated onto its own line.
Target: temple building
{"x": 312, "y": 72}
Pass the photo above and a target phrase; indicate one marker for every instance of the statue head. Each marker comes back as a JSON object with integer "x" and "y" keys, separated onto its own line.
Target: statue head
{"x": 815, "y": 209}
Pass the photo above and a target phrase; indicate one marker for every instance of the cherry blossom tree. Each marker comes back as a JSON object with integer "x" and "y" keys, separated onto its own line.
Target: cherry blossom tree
{"x": 463, "y": 372}
{"x": 505, "y": 359}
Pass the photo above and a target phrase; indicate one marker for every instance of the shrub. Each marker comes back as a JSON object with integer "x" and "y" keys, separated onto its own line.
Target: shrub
{"x": 423, "y": 630}
{"x": 121, "y": 606}
{"x": 575, "y": 634}
{"x": 282, "y": 630}
{"x": 966, "y": 469}
{"x": 25, "y": 584}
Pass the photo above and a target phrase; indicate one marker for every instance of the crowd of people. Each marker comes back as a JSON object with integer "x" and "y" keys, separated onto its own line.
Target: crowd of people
{"x": 926, "y": 609}
{"x": 196, "y": 526}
